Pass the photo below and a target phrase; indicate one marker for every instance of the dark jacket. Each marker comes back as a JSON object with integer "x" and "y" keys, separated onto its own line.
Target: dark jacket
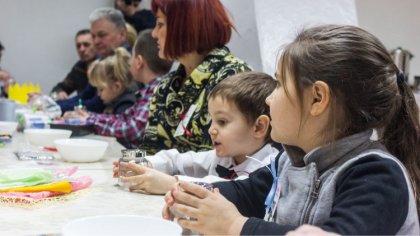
{"x": 121, "y": 103}
{"x": 76, "y": 79}
{"x": 141, "y": 20}
{"x": 89, "y": 98}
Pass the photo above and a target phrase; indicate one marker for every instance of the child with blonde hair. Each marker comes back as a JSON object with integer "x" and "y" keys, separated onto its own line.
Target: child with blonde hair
{"x": 113, "y": 80}
{"x": 147, "y": 69}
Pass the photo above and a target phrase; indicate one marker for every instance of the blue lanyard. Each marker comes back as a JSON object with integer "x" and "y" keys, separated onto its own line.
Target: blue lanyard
{"x": 270, "y": 197}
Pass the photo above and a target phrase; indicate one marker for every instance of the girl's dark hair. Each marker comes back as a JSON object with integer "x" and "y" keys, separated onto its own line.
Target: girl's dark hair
{"x": 365, "y": 91}
{"x": 248, "y": 91}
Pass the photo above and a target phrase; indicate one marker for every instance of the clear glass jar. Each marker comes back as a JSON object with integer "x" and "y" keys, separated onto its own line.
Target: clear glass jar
{"x": 136, "y": 156}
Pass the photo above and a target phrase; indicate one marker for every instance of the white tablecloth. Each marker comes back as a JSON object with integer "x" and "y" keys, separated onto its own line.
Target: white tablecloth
{"x": 103, "y": 197}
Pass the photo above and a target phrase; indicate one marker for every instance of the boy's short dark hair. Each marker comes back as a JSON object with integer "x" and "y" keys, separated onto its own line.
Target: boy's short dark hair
{"x": 1, "y": 46}
{"x": 248, "y": 91}
{"x": 147, "y": 47}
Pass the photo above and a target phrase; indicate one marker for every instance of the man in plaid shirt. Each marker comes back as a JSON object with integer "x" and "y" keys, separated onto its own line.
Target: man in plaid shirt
{"x": 147, "y": 68}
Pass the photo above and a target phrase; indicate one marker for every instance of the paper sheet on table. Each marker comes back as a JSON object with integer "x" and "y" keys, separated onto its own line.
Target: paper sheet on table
{"x": 62, "y": 186}
{"x": 16, "y": 178}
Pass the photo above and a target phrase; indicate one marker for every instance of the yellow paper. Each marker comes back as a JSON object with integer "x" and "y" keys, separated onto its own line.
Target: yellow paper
{"x": 19, "y": 93}
{"x": 31, "y": 88}
{"x": 37, "y": 88}
{"x": 13, "y": 91}
{"x": 23, "y": 95}
{"x": 62, "y": 187}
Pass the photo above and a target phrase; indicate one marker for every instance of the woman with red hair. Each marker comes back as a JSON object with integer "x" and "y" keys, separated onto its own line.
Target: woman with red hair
{"x": 193, "y": 32}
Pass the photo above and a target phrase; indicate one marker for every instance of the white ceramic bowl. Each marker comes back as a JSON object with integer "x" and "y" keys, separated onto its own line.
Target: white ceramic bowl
{"x": 45, "y": 137}
{"x": 81, "y": 150}
{"x": 7, "y": 127}
{"x": 108, "y": 225}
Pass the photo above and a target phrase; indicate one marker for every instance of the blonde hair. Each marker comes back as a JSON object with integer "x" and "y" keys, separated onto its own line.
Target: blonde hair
{"x": 131, "y": 34}
{"x": 112, "y": 69}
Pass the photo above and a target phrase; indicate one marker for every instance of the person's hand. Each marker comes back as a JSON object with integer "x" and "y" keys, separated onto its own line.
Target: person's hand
{"x": 82, "y": 114}
{"x": 69, "y": 114}
{"x": 62, "y": 95}
{"x": 169, "y": 202}
{"x": 309, "y": 230}
{"x": 73, "y": 114}
{"x": 33, "y": 95}
{"x": 115, "y": 169}
{"x": 5, "y": 77}
{"x": 147, "y": 179}
{"x": 203, "y": 208}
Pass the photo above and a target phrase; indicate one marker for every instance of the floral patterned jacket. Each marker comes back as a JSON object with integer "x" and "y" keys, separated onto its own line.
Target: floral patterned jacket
{"x": 178, "y": 115}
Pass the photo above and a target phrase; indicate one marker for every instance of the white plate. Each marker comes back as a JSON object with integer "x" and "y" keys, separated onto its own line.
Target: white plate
{"x": 108, "y": 225}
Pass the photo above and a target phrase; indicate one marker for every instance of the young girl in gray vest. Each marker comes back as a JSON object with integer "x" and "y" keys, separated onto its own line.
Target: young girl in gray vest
{"x": 336, "y": 85}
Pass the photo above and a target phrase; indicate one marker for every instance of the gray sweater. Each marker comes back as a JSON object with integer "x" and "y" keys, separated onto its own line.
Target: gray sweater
{"x": 308, "y": 192}
{"x": 353, "y": 187}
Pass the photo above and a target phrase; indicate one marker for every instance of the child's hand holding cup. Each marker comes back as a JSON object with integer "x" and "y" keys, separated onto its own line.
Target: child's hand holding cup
{"x": 178, "y": 215}
{"x": 135, "y": 156}
{"x": 205, "y": 185}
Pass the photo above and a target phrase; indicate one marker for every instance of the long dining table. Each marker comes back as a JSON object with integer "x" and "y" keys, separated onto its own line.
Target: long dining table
{"x": 103, "y": 197}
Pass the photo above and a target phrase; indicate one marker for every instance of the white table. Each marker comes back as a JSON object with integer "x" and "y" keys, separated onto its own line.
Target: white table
{"x": 101, "y": 198}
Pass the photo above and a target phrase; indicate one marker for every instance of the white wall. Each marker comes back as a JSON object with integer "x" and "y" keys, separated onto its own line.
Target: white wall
{"x": 395, "y": 23}
{"x": 278, "y": 21}
{"x": 39, "y": 37}
{"x": 244, "y": 43}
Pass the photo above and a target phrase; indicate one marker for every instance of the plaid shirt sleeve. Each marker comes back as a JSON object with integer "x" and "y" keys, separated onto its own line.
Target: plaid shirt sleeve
{"x": 129, "y": 125}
